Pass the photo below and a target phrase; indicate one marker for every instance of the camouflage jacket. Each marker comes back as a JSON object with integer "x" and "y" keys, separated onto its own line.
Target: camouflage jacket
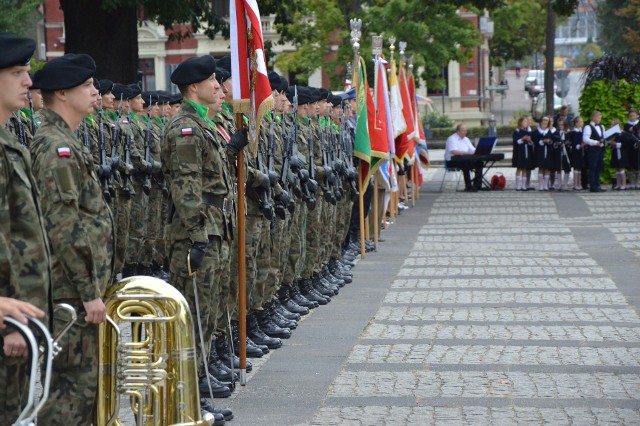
{"x": 195, "y": 164}
{"x": 24, "y": 249}
{"x": 77, "y": 219}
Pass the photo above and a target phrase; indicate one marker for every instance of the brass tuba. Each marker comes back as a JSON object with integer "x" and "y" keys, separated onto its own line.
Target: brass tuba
{"x": 156, "y": 368}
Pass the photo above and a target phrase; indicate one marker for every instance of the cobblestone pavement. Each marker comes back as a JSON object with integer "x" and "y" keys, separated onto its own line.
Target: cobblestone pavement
{"x": 511, "y": 308}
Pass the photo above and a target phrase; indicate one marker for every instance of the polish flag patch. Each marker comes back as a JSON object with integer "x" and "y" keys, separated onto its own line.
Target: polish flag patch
{"x": 64, "y": 152}
{"x": 187, "y": 131}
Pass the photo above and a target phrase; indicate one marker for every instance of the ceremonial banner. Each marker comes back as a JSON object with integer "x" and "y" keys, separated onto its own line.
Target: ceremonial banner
{"x": 404, "y": 143}
{"x": 361, "y": 142}
{"x": 379, "y": 135}
{"x": 421, "y": 148}
{"x": 252, "y": 93}
{"x": 398, "y": 124}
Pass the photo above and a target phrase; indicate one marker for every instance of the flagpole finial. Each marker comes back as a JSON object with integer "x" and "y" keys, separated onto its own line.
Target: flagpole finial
{"x": 376, "y": 45}
{"x": 403, "y": 47}
{"x": 410, "y": 63}
{"x": 356, "y": 33}
{"x": 392, "y": 47}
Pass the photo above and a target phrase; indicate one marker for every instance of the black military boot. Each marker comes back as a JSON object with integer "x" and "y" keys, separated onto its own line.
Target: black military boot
{"x": 290, "y": 305}
{"x": 227, "y": 415}
{"x": 321, "y": 280}
{"x": 326, "y": 274}
{"x": 227, "y": 357}
{"x": 258, "y": 336}
{"x": 323, "y": 289}
{"x": 299, "y": 298}
{"x": 280, "y": 320}
{"x": 312, "y": 294}
{"x": 219, "y": 389}
{"x": 252, "y": 350}
{"x": 282, "y": 310}
{"x": 217, "y": 368}
{"x": 336, "y": 271}
{"x": 270, "y": 328}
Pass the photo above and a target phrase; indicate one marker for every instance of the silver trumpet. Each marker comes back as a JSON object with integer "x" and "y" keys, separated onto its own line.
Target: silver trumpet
{"x": 39, "y": 341}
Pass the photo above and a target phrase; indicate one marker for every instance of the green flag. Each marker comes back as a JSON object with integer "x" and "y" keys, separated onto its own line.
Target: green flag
{"x": 361, "y": 143}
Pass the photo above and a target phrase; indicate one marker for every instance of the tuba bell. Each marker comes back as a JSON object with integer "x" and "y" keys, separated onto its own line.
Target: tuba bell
{"x": 156, "y": 367}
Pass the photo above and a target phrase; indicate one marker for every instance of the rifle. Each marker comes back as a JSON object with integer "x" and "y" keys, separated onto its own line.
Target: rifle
{"x": 33, "y": 119}
{"x": 279, "y": 207}
{"x": 326, "y": 184}
{"x": 146, "y": 185}
{"x": 22, "y": 137}
{"x": 104, "y": 171}
{"x": 115, "y": 160}
{"x": 264, "y": 194}
{"x": 126, "y": 187}
{"x": 286, "y": 164}
{"x": 165, "y": 188}
{"x": 336, "y": 164}
{"x": 347, "y": 144}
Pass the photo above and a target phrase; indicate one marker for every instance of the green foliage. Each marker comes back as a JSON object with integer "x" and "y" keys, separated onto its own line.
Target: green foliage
{"x": 613, "y": 27}
{"x": 435, "y": 120}
{"x": 18, "y": 15}
{"x": 516, "y": 34}
{"x": 584, "y": 58}
{"x": 35, "y": 65}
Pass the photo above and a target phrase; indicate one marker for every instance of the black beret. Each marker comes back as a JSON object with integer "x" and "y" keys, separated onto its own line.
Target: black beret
{"x": 222, "y": 74}
{"x": 65, "y": 72}
{"x": 105, "y": 86}
{"x": 120, "y": 91}
{"x": 96, "y": 84}
{"x": 274, "y": 80}
{"x": 175, "y": 99}
{"x": 146, "y": 96}
{"x": 284, "y": 84}
{"x": 163, "y": 96}
{"x": 15, "y": 51}
{"x": 134, "y": 90}
{"x": 194, "y": 70}
{"x": 304, "y": 94}
{"x": 335, "y": 100}
{"x": 224, "y": 62}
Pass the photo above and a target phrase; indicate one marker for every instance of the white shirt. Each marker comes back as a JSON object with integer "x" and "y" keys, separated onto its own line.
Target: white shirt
{"x": 456, "y": 143}
{"x": 586, "y": 134}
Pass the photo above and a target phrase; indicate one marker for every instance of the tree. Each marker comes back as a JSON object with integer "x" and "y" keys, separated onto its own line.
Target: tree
{"x": 17, "y": 15}
{"x": 618, "y": 21}
{"x": 588, "y": 53}
{"x": 516, "y": 34}
{"x": 107, "y": 29}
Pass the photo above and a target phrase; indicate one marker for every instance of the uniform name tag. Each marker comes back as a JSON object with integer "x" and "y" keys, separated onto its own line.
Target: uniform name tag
{"x": 64, "y": 152}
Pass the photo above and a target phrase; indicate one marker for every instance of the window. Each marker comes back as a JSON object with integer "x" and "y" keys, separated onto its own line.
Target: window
{"x": 148, "y": 74}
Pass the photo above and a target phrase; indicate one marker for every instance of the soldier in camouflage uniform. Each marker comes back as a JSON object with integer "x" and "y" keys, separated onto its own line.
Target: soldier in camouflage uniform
{"x": 24, "y": 251}
{"x": 80, "y": 229}
{"x": 200, "y": 221}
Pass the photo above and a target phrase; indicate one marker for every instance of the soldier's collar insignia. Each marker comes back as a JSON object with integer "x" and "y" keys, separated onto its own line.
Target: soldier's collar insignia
{"x": 64, "y": 152}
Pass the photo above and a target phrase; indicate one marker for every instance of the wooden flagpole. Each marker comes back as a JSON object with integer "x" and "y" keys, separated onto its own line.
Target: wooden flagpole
{"x": 356, "y": 25}
{"x": 242, "y": 276}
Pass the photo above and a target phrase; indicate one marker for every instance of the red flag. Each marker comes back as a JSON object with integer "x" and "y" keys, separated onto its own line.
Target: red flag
{"x": 404, "y": 145}
{"x": 251, "y": 89}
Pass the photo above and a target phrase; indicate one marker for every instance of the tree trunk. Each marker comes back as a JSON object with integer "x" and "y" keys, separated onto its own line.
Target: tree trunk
{"x": 549, "y": 55}
{"x": 111, "y": 38}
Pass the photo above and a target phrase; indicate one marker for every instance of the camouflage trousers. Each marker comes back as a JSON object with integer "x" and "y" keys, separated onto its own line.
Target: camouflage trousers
{"x": 297, "y": 244}
{"x": 154, "y": 222}
{"x": 74, "y": 381}
{"x": 207, "y": 290}
{"x": 253, "y": 229}
{"x": 329, "y": 230}
{"x": 122, "y": 211}
{"x": 265, "y": 275}
{"x": 314, "y": 235}
{"x": 278, "y": 253}
{"x": 225, "y": 302}
{"x": 13, "y": 387}
{"x": 343, "y": 220}
{"x": 137, "y": 225}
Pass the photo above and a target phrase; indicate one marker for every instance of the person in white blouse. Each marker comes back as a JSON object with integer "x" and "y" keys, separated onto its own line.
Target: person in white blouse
{"x": 592, "y": 136}
{"x": 458, "y": 144}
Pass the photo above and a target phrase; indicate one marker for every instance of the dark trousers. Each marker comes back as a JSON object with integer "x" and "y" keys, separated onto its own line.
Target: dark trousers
{"x": 466, "y": 167}
{"x": 596, "y": 163}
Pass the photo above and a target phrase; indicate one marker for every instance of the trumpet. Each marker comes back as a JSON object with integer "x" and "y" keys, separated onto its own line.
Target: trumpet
{"x": 48, "y": 349}
{"x": 157, "y": 369}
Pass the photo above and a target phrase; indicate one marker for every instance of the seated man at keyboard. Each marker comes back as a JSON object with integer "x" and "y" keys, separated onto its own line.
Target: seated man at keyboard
{"x": 458, "y": 144}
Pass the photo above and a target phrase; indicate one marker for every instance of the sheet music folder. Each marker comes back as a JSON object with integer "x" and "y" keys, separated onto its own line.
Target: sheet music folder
{"x": 485, "y": 145}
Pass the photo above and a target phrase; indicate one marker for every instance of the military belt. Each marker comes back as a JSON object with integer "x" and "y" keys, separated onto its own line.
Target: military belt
{"x": 219, "y": 202}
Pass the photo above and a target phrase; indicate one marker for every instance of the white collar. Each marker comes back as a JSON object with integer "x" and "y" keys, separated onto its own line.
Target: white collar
{"x": 543, "y": 132}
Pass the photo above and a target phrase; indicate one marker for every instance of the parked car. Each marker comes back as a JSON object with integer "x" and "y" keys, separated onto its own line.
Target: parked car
{"x": 531, "y": 77}
{"x": 536, "y": 83}
{"x": 539, "y": 105}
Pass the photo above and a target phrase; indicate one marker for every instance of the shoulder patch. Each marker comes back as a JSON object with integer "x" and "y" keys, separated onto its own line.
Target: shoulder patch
{"x": 64, "y": 152}
{"x": 186, "y": 131}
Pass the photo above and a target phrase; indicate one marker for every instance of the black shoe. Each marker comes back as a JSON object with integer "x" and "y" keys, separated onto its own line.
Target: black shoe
{"x": 218, "y": 418}
{"x": 280, "y": 320}
{"x": 291, "y": 306}
{"x": 227, "y": 358}
{"x": 287, "y": 313}
{"x": 322, "y": 289}
{"x": 219, "y": 389}
{"x": 312, "y": 294}
{"x": 252, "y": 350}
{"x": 259, "y": 337}
{"x": 210, "y": 408}
{"x": 270, "y": 328}
{"x": 326, "y": 274}
{"x": 329, "y": 285}
{"x": 297, "y": 297}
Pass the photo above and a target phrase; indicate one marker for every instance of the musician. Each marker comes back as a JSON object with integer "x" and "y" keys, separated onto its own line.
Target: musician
{"x": 17, "y": 309}
{"x": 592, "y": 135}
{"x": 459, "y": 144}
{"x": 619, "y": 160}
{"x": 577, "y": 152}
{"x": 24, "y": 251}
{"x": 560, "y": 155}
{"x": 522, "y": 152}
{"x": 630, "y": 145}
{"x": 542, "y": 139}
